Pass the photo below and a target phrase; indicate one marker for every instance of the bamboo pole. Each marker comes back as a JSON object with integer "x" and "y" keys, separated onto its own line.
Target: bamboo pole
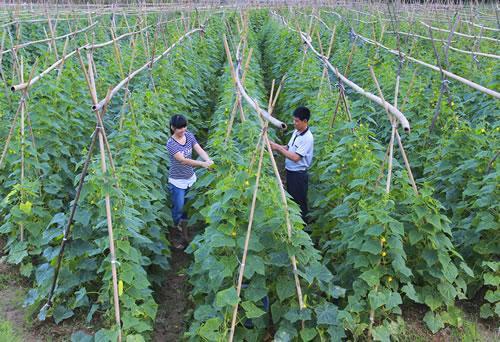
{"x": 435, "y": 68}
{"x": 390, "y": 148}
{"x": 432, "y": 28}
{"x": 341, "y": 94}
{"x": 237, "y": 102}
{"x": 21, "y": 75}
{"x": 325, "y": 69}
{"x": 102, "y": 103}
{"x": 235, "y": 73}
{"x": 247, "y": 239}
{"x": 401, "y": 118}
{"x": 287, "y": 219}
{"x": 69, "y": 224}
{"x": 12, "y": 127}
{"x": 107, "y": 205}
{"x": 23, "y": 45}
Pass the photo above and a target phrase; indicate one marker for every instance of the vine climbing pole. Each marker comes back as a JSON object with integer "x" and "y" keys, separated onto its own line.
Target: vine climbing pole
{"x": 24, "y": 117}
{"x": 262, "y": 144}
{"x": 101, "y": 134}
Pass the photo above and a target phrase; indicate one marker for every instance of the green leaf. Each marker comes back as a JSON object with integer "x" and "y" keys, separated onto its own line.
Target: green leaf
{"x": 400, "y": 266}
{"x": 393, "y": 300}
{"x": 371, "y": 277}
{"x": 254, "y": 264}
{"x": 61, "y": 313}
{"x": 372, "y": 246}
{"x": 294, "y": 315}
{"x": 435, "y": 220}
{"x": 433, "y": 302}
{"x": 135, "y": 338}
{"x": 450, "y": 272}
{"x": 17, "y": 252}
{"x": 308, "y": 334}
{"x": 137, "y": 324}
{"x": 491, "y": 279}
{"x": 381, "y": 333}
{"x": 433, "y": 322}
{"x": 492, "y": 296}
{"x": 486, "y": 311}
{"x": 410, "y": 292}
{"x": 204, "y": 312}
{"x": 376, "y": 230}
{"x": 26, "y": 207}
{"x": 210, "y": 329}
{"x": 317, "y": 271}
{"x": 377, "y": 299}
{"x": 106, "y": 335}
{"x": 447, "y": 291}
{"x": 336, "y": 332}
{"x": 327, "y": 314}
{"x": 227, "y": 297}
{"x": 467, "y": 269}
{"x": 81, "y": 336}
{"x": 91, "y": 312}
{"x": 251, "y": 310}
{"x": 285, "y": 287}
{"x": 26, "y": 269}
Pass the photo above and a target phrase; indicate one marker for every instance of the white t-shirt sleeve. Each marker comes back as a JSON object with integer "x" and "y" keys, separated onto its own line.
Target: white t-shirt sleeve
{"x": 303, "y": 146}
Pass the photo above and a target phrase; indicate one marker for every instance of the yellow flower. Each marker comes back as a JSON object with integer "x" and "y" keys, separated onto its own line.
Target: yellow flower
{"x": 384, "y": 253}
{"x": 389, "y": 279}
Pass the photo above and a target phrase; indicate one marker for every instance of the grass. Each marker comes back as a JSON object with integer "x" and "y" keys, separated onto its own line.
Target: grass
{"x": 7, "y": 333}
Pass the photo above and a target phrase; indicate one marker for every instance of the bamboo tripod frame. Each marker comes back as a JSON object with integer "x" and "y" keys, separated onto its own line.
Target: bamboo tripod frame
{"x": 262, "y": 144}
{"x": 105, "y": 157}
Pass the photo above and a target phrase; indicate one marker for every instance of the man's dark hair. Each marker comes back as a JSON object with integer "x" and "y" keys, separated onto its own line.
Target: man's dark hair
{"x": 177, "y": 121}
{"x": 302, "y": 113}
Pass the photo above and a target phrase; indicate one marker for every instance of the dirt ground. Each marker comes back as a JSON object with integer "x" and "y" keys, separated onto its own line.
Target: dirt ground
{"x": 173, "y": 300}
{"x": 11, "y": 299}
{"x": 174, "y": 306}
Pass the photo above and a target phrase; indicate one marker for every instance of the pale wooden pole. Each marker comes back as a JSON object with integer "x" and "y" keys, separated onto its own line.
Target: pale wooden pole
{"x": 112, "y": 253}
{"x": 21, "y": 75}
{"x": 247, "y": 240}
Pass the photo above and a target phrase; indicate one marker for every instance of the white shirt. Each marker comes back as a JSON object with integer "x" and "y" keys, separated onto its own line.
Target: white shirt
{"x": 303, "y": 145}
{"x": 183, "y": 183}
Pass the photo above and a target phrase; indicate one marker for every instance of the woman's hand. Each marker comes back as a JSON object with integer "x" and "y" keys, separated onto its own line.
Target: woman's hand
{"x": 206, "y": 164}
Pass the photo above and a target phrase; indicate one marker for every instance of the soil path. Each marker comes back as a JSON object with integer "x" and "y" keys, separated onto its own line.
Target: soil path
{"x": 11, "y": 299}
{"x": 173, "y": 300}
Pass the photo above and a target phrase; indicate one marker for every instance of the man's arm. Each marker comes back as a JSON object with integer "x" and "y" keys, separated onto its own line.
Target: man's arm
{"x": 283, "y": 149}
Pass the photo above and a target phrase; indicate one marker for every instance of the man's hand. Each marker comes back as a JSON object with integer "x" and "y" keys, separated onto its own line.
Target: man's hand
{"x": 275, "y": 147}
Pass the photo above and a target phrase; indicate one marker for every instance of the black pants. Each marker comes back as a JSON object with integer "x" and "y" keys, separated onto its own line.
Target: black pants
{"x": 297, "y": 183}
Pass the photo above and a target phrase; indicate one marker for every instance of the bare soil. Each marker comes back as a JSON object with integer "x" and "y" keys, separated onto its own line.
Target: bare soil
{"x": 173, "y": 300}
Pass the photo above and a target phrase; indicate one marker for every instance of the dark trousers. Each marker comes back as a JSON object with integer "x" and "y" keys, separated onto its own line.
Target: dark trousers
{"x": 297, "y": 183}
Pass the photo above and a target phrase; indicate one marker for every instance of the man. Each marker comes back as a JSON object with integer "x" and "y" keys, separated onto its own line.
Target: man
{"x": 298, "y": 154}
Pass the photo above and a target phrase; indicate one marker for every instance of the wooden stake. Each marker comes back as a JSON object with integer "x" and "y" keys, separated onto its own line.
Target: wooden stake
{"x": 247, "y": 241}
{"x": 22, "y": 148}
{"x": 287, "y": 219}
{"x": 108, "y": 206}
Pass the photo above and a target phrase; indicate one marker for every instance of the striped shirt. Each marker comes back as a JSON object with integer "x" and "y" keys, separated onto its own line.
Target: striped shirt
{"x": 177, "y": 169}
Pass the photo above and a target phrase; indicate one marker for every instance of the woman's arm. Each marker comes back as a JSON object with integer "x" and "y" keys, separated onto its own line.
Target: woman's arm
{"x": 179, "y": 156}
{"x": 201, "y": 152}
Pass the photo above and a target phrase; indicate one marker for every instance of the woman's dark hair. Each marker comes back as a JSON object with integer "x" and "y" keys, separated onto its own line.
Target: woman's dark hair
{"x": 177, "y": 121}
{"x": 302, "y": 113}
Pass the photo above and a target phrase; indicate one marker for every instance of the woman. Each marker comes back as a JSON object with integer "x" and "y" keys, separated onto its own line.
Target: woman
{"x": 181, "y": 174}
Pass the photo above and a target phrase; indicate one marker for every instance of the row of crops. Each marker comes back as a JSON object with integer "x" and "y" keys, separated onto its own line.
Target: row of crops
{"x": 370, "y": 253}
